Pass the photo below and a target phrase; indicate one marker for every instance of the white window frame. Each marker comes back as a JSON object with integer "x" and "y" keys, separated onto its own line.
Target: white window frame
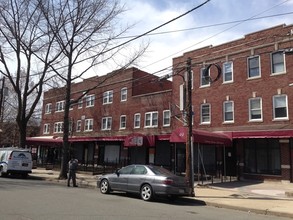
{"x": 71, "y": 105}
{"x": 46, "y": 129}
{"x": 78, "y": 125}
{"x": 48, "y": 108}
{"x": 89, "y": 101}
{"x": 285, "y": 106}
{"x": 58, "y": 127}
{"x": 136, "y": 120}
{"x": 273, "y": 71}
{"x": 108, "y": 97}
{"x": 106, "y": 123}
{"x": 80, "y": 103}
{"x": 225, "y": 72}
{"x": 123, "y": 94}
{"x": 249, "y": 67}
{"x": 225, "y": 111}
{"x": 253, "y": 109}
{"x": 166, "y": 118}
{"x": 203, "y": 82}
{"x": 60, "y": 106}
{"x": 88, "y": 124}
{"x": 203, "y": 116}
{"x": 151, "y": 119}
{"x": 123, "y": 122}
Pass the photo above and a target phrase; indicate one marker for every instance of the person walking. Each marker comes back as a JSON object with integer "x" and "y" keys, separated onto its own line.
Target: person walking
{"x": 72, "y": 168}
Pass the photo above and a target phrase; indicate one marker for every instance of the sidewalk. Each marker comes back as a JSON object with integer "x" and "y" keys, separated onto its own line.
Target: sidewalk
{"x": 269, "y": 198}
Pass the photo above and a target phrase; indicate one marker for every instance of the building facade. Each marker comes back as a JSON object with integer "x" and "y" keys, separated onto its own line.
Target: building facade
{"x": 251, "y": 100}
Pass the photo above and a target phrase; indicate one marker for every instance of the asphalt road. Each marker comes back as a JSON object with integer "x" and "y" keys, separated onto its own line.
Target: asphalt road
{"x": 40, "y": 200}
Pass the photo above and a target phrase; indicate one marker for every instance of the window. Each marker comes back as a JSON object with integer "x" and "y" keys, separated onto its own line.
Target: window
{"x": 280, "y": 107}
{"x": 137, "y": 120}
{"x": 90, "y": 101}
{"x": 123, "y": 94}
{"x": 80, "y": 104}
{"x": 78, "y": 126}
{"x": 253, "y": 67}
{"x": 255, "y": 109}
{"x": 122, "y": 121}
{"x": 88, "y": 124}
{"x": 106, "y": 123}
{"x": 71, "y": 105}
{"x": 228, "y": 111}
{"x": 205, "y": 114}
{"x": 46, "y": 129}
{"x": 60, "y": 106}
{"x": 204, "y": 81}
{"x": 278, "y": 62}
{"x": 108, "y": 97}
{"x": 262, "y": 156}
{"x": 48, "y": 108}
{"x": 228, "y": 72}
{"x": 166, "y": 118}
{"x": 58, "y": 127}
{"x": 151, "y": 119}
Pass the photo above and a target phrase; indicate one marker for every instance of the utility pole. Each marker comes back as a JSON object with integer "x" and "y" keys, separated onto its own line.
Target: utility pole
{"x": 189, "y": 141}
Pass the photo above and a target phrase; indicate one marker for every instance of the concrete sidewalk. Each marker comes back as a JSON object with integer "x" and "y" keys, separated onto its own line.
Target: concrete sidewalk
{"x": 269, "y": 198}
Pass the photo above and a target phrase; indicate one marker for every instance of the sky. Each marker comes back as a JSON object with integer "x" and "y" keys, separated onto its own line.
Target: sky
{"x": 214, "y": 23}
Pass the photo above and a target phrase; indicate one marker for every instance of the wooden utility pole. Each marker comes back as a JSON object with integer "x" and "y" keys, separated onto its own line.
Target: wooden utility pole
{"x": 189, "y": 141}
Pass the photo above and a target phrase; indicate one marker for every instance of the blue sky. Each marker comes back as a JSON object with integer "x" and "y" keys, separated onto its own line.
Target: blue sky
{"x": 148, "y": 14}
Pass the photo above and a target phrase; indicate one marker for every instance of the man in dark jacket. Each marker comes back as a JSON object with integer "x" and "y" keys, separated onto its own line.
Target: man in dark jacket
{"x": 72, "y": 167}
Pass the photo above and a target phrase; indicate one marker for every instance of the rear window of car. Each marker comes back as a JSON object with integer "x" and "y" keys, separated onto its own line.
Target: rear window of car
{"x": 161, "y": 171}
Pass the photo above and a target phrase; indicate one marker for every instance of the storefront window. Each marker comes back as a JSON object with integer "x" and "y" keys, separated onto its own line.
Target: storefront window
{"x": 262, "y": 156}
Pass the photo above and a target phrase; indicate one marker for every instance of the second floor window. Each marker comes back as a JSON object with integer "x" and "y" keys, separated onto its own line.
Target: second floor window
{"x": 46, "y": 129}
{"x": 48, "y": 108}
{"x": 88, "y": 124}
{"x": 280, "y": 107}
{"x": 228, "y": 109}
{"x": 80, "y": 103}
{"x": 278, "y": 62}
{"x": 90, "y": 100}
{"x": 253, "y": 67}
{"x": 108, "y": 97}
{"x": 78, "y": 126}
{"x": 58, "y": 127}
{"x": 205, "y": 114}
{"x": 166, "y": 118}
{"x": 106, "y": 123}
{"x": 228, "y": 72}
{"x": 60, "y": 106}
{"x": 122, "y": 121}
{"x": 123, "y": 94}
{"x": 151, "y": 119}
{"x": 137, "y": 120}
{"x": 255, "y": 109}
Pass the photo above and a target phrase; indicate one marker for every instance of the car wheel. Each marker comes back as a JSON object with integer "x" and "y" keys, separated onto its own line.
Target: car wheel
{"x": 104, "y": 186}
{"x": 146, "y": 192}
{"x": 2, "y": 174}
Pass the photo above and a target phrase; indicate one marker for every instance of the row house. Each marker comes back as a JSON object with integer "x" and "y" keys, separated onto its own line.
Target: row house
{"x": 119, "y": 121}
{"x": 243, "y": 89}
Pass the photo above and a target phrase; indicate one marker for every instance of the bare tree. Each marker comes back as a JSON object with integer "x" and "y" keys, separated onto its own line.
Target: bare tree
{"x": 26, "y": 54}
{"x": 87, "y": 33}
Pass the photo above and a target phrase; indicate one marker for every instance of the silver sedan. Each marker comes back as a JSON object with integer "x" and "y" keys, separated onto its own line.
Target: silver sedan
{"x": 147, "y": 180}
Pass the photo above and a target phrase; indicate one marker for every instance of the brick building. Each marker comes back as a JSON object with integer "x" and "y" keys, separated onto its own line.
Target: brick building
{"x": 251, "y": 101}
{"x": 118, "y": 122}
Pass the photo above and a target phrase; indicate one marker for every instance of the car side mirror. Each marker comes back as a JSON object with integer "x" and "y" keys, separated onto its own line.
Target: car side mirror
{"x": 117, "y": 172}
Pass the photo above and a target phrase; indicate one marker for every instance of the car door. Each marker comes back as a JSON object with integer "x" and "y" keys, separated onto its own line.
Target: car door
{"x": 119, "y": 181}
{"x": 136, "y": 178}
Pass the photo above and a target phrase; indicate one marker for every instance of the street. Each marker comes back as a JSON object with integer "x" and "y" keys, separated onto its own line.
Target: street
{"x": 23, "y": 199}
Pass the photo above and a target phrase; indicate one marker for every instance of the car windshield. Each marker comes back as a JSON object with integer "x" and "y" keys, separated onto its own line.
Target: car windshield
{"x": 161, "y": 171}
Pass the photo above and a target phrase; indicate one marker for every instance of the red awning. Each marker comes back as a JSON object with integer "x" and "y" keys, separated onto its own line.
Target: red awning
{"x": 199, "y": 136}
{"x": 262, "y": 134}
{"x": 44, "y": 140}
{"x": 138, "y": 140}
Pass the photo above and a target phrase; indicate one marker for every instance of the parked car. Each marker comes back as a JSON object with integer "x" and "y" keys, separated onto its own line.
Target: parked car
{"x": 15, "y": 161}
{"x": 146, "y": 180}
